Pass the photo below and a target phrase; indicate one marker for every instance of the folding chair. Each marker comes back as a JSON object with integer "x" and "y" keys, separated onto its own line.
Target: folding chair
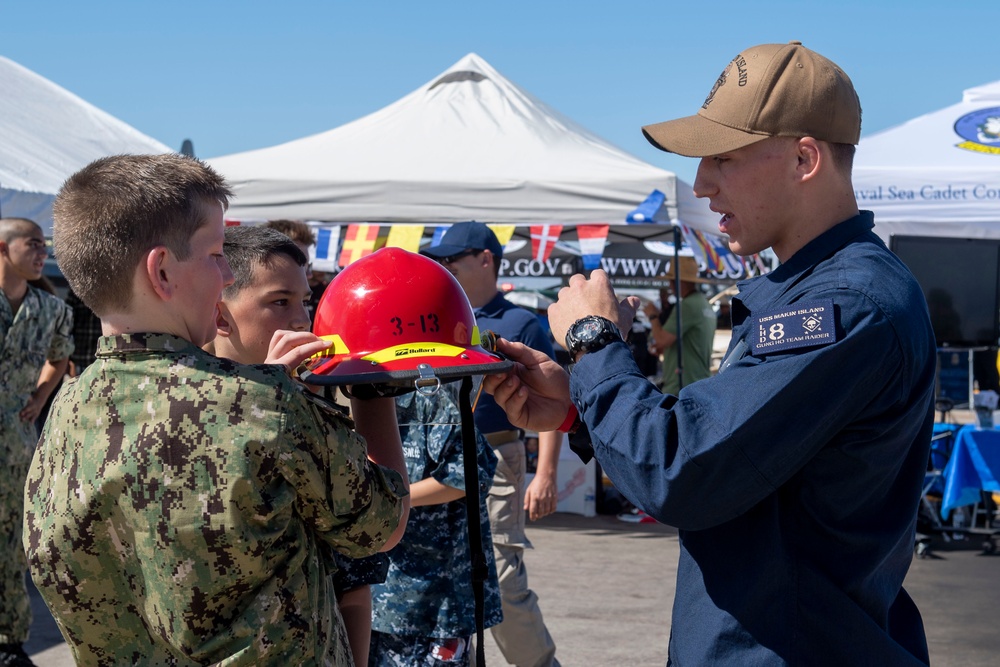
{"x": 928, "y": 518}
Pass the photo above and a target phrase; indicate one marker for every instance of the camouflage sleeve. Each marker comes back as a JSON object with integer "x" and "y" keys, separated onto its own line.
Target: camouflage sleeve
{"x": 61, "y": 345}
{"x": 351, "y": 503}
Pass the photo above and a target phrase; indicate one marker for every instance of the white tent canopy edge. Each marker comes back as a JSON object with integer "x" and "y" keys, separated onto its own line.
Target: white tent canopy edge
{"x": 467, "y": 145}
{"x": 937, "y": 174}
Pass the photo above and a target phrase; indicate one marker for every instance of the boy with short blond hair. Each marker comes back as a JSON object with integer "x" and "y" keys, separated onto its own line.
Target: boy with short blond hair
{"x": 177, "y": 502}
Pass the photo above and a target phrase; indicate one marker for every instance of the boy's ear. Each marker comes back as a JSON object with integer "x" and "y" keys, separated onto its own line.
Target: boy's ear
{"x": 223, "y": 325}
{"x": 158, "y": 262}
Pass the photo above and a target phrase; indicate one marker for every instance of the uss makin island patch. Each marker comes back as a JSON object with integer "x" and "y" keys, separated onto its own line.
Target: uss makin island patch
{"x": 792, "y": 326}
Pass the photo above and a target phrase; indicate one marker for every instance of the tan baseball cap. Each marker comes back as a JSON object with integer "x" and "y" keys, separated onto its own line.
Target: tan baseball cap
{"x": 771, "y": 90}
{"x": 690, "y": 273}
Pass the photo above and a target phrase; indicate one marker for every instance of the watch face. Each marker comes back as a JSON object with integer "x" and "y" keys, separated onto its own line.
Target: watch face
{"x": 588, "y": 330}
{"x": 589, "y": 333}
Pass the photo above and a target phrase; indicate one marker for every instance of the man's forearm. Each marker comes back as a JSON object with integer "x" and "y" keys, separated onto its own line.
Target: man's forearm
{"x": 52, "y": 373}
{"x": 429, "y": 491}
{"x": 549, "y": 445}
{"x": 661, "y": 336}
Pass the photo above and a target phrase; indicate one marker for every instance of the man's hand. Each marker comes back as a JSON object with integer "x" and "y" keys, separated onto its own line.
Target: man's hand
{"x": 51, "y": 375}
{"x": 652, "y": 312}
{"x": 535, "y": 393}
{"x": 30, "y": 412}
{"x": 541, "y": 497}
{"x": 291, "y": 348}
{"x": 584, "y": 297}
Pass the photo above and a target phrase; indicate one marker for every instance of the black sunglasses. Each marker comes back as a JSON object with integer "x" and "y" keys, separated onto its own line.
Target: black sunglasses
{"x": 451, "y": 259}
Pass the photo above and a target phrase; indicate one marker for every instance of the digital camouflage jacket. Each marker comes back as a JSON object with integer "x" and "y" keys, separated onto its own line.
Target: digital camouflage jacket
{"x": 176, "y": 504}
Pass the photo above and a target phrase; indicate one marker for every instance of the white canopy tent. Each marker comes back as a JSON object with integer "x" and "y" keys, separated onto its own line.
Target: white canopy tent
{"x": 468, "y": 145}
{"x": 46, "y": 134}
{"x": 938, "y": 174}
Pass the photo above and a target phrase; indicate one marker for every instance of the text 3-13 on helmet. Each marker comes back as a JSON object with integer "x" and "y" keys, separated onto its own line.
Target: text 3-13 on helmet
{"x": 398, "y": 318}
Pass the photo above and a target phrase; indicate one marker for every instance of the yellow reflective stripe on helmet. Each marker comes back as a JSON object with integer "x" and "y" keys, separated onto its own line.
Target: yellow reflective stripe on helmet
{"x": 337, "y": 346}
{"x": 475, "y": 336}
{"x": 414, "y": 350}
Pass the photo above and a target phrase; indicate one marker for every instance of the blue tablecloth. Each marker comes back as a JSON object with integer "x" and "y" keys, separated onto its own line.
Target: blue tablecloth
{"x": 974, "y": 466}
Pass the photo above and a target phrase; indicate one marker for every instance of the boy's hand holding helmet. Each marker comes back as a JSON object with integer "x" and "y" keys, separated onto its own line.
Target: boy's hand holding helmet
{"x": 398, "y": 322}
{"x": 292, "y": 348}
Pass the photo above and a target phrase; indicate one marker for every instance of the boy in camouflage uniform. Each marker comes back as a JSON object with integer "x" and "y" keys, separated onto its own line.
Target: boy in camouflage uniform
{"x": 34, "y": 327}
{"x": 424, "y": 612}
{"x": 176, "y": 503}
{"x": 269, "y": 293}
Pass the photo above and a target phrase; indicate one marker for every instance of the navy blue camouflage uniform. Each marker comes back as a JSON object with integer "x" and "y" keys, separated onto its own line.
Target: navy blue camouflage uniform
{"x": 424, "y": 612}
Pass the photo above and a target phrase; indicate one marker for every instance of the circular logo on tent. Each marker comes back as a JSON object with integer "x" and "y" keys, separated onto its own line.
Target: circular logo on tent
{"x": 981, "y": 131}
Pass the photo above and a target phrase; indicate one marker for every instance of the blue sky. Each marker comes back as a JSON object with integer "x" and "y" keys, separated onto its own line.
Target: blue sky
{"x": 234, "y": 76}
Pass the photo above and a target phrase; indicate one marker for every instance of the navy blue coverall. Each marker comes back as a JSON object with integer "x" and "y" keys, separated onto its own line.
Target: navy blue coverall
{"x": 794, "y": 474}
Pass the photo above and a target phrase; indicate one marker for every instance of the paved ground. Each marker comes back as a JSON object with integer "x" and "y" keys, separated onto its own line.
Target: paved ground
{"x": 606, "y": 589}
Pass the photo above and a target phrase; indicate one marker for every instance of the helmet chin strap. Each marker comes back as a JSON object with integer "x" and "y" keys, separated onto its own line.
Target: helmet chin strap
{"x": 366, "y": 392}
{"x": 473, "y": 508}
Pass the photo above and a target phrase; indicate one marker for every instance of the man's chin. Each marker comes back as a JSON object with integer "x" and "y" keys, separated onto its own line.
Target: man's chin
{"x": 739, "y": 249}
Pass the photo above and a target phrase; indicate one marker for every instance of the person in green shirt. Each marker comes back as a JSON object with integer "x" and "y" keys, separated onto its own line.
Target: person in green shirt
{"x": 697, "y": 330}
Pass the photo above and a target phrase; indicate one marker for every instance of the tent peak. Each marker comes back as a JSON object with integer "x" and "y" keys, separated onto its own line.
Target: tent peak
{"x": 472, "y": 62}
{"x": 468, "y": 144}
{"x": 468, "y": 68}
{"x": 459, "y": 75}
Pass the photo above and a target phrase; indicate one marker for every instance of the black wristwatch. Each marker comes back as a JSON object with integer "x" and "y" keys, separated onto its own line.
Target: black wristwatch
{"x": 590, "y": 333}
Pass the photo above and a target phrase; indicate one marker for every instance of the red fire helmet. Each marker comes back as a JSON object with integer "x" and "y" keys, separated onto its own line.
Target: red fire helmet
{"x": 396, "y": 317}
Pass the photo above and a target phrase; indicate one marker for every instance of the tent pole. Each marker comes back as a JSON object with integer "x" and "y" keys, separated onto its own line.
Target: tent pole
{"x": 677, "y": 304}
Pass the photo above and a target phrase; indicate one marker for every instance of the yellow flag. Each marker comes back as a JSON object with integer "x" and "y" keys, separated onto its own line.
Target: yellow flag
{"x": 503, "y": 232}
{"x": 406, "y": 237}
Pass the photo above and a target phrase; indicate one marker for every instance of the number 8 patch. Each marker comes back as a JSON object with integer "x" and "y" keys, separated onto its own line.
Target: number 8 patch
{"x": 796, "y": 325}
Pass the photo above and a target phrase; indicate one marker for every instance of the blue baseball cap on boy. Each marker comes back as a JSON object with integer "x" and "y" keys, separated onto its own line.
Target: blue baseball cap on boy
{"x": 463, "y": 236}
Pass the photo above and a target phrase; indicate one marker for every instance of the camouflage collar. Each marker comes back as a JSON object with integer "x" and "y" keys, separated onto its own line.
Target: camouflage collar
{"x": 141, "y": 342}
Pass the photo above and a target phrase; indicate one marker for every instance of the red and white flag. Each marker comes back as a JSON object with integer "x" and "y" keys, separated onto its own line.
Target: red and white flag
{"x": 543, "y": 240}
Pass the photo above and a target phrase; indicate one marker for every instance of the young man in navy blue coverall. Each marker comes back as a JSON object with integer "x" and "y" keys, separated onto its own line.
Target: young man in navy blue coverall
{"x": 794, "y": 474}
